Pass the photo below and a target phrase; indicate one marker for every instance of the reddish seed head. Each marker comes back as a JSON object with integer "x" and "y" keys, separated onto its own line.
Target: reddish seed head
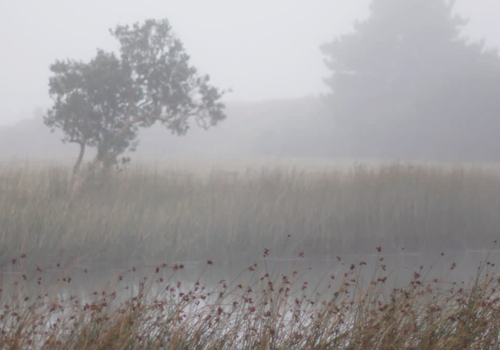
{"x": 266, "y": 252}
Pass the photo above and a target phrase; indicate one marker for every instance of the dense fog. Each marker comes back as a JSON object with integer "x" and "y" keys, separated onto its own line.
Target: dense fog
{"x": 419, "y": 85}
{"x": 237, "y": 174}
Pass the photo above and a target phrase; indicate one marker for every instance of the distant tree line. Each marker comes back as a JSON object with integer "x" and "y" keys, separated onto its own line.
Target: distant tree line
{"x": 406, "y": 84}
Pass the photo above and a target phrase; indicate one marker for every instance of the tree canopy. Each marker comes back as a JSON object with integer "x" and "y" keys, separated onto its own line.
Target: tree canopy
{"x": 104, "y": 102}
{"x": 406, "y": 83}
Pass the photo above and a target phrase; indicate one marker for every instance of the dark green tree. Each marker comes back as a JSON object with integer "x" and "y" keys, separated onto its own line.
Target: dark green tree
{"x": 104, "y": 102}
{"x": 406, "y": 83}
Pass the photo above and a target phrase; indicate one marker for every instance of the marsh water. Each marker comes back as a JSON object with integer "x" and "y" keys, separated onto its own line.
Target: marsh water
{"x": 399, "y": 269}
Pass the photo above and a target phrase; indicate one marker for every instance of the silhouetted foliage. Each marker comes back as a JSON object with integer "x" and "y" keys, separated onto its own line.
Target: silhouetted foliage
{"x": 104, "y": 102}
{"x": 406, "y": 84}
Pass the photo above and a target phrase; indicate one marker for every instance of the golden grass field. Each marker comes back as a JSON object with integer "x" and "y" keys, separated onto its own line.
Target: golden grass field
{"x": 195, "y": 211}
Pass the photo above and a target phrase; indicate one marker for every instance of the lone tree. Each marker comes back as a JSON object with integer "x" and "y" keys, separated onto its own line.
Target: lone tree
{"x": 104, "y": 103}
{"x": 405, "y": 83}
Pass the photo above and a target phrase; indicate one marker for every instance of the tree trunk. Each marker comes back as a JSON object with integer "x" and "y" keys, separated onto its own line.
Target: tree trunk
{"x": 79, "y": 160}
{"x": 98, "y": 170}
{"x": 76, "y": 177}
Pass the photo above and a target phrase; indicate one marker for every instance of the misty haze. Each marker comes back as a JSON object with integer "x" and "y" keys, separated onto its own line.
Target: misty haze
{"x": 250, "y": 174}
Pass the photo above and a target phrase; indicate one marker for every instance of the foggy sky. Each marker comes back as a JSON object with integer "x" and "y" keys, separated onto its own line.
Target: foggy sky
{"x": 262, "y": 49}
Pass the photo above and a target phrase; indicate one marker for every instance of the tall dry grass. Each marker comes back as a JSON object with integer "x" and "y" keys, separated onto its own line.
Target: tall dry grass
{"x": 151, "y": 213}
{"x": 262, "y": 309}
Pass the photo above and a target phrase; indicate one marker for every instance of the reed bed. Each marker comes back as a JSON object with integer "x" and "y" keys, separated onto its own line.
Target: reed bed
{"x": 260, "y": 309}
{"x": 153, "y": 213}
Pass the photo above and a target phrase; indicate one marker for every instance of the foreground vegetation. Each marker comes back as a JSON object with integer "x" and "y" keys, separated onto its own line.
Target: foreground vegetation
{"x": 260, "y": 309}
{"x": 147, "y": 213}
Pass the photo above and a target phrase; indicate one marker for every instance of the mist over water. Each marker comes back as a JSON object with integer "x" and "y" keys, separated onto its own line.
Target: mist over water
{"x": 250, "y": 161}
